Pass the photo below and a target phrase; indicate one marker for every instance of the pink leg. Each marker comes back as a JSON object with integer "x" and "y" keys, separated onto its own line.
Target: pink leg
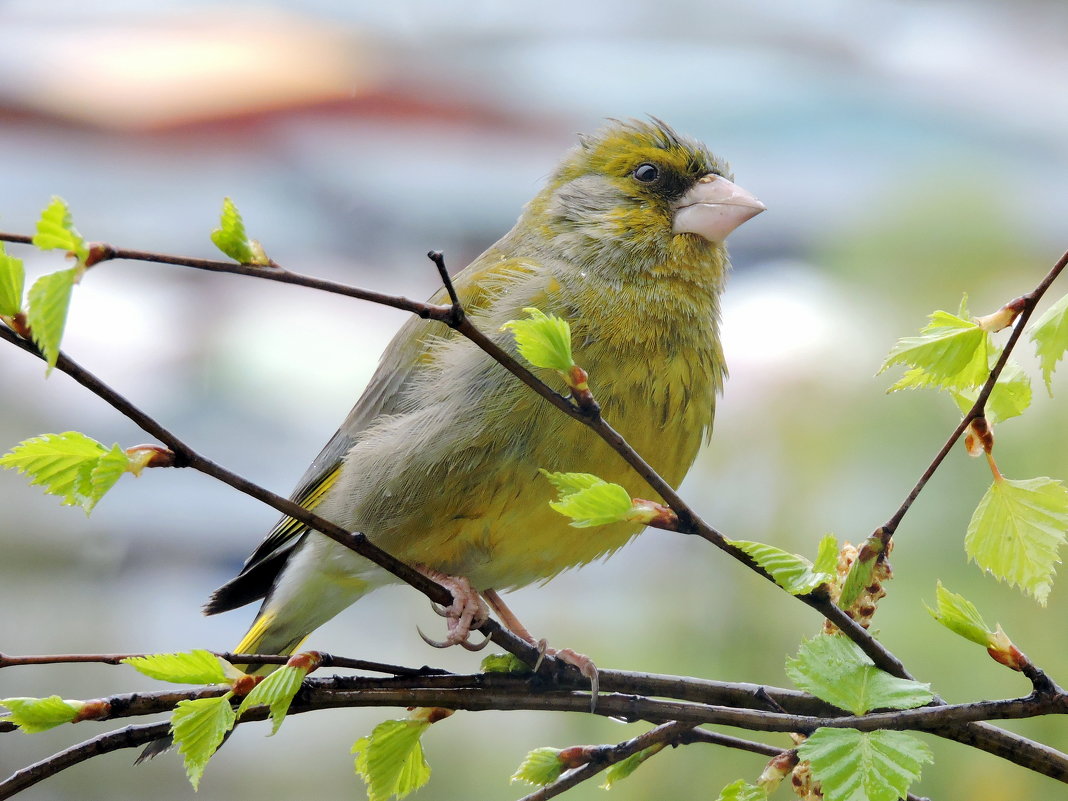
{"x": 511, "y": 622}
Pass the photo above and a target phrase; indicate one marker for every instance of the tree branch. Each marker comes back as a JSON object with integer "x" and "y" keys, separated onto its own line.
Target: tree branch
{"x": 129, "y": 737}
{"x": 604, "y": 756}
{"x": 1030, "y": 301}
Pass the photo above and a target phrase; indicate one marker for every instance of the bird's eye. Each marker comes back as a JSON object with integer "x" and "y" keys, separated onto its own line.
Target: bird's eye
{"x": 646, "y": 173}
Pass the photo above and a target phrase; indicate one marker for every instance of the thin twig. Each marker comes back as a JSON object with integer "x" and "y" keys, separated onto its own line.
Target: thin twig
{"x": 129, "y": 737}
{"x": 978, "y": 408}
{"x": 605, "y": 756}
{"x": 325, "y": 661}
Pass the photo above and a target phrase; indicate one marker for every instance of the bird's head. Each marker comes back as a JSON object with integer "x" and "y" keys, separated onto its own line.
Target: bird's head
{"x": 636, "y": 195}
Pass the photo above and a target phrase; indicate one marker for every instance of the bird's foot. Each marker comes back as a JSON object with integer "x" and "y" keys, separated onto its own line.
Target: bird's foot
{"x": 585, "y": 665}
{"x": 574, "y": 658}
{"x": 465, "y": 613}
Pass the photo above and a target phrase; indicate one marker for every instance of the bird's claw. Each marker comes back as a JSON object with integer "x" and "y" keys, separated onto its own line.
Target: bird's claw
{"x": 465, "y": 613}
{"x": 575, "y": 659}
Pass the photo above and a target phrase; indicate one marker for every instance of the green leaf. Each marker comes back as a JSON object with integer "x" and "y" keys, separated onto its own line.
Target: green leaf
{"x": 199, "y": 726}
{"x": 71, "y": 465}
{"x": 56, "y": 231}
{"x": 12, "y": 279}
{"x": 742, "y": 790}
{"x": 189, "y": 667}
{"x": 864, "y": 766}
{"x": 1050, "y": 335}
{"x": 231, "y": 239}
{"x": 276, "y": 691}
{"x": 622, "y": 769}
{"x": 1010, "y": 397}
{"x": 793, "y": 573}
{"x": 835, "y": 670}
{"x": 543, "y": 340}
{"x": 827, "y": 556}
{"x": 1016, "y": 531}
{"x": 588, "y": 500}
{"x": 504, "y": 663}
{"x": 33, "y": 715}
{"x": 391, "y": 760}
{"x": 49, "y": 299}
{"x": 960, "y": 616}
{"x": 861, "y": 573}
{"x": 950, "y": 352}
{"x": 540, "y": 767}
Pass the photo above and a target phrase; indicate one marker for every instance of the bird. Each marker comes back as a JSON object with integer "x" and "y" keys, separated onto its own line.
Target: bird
{"x": 438, "y": 462}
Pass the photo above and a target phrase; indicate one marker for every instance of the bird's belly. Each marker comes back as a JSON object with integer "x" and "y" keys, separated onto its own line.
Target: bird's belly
{"x": 499, "y": 530}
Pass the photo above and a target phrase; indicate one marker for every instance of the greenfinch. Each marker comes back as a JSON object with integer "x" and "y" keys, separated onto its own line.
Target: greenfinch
{"x": 438, "y": 462}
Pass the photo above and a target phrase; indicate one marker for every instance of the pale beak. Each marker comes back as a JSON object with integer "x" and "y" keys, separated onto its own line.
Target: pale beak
{"x": 713, "y": 208}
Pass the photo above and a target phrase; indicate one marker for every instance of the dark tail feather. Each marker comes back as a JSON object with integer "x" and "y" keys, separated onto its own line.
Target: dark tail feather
{"x": 154, "y": 749}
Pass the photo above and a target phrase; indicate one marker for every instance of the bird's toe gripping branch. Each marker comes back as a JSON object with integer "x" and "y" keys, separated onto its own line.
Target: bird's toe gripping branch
{"x": 466, "y": 612}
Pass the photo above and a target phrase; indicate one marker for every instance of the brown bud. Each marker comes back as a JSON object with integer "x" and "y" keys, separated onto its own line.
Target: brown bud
{"x": 979, "y": 438}
{"x": 98, "y": 252}
{"x": 243, "y": 685}
{"x": 142, "y": 456}
{"x": 575, "y": 757}
{"x": 1010, "y": 656}
{"x": 655, "y": 514}
{"x": 306, "y": 661}
{"x": 93, "y": 710}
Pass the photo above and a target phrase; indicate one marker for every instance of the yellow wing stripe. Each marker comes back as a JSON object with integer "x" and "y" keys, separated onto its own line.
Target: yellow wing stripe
{"x": 309, "y": 501}
{"x": 251, "y": 642}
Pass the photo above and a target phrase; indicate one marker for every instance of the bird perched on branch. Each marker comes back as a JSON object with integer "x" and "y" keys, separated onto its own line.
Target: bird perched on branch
{"x": 438, "y": 463}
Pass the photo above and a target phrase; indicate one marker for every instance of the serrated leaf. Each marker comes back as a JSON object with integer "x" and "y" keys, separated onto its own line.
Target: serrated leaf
{"x": 1016, "y": 531}
{"x": 391, "y": 760}
{"x": 827, "y": 556}
{"x": 189, "y": 667}
{"x": 864, "y": 766}
{"x": 793, "y": 573}
{"x": 46, "y": 313}
{"x": 276, "y": 692}
{"x": 589, "y": 500}
{"x": 742, "y": 790}
{"x": 540, "y": 767}
{"x": 231, "y": 239}
{"x": 56, "y": 231}
{"x": 960, "y": 616}
{"x": 12, "y": 279}
{"x": 33, "y": 715}
{"x": 1010, "y": 397}
{"x": 622, "y": 769}
{"x": 950, "y": 352}
{"x": 109, "y": 468}
{"x": 199, "y": 726}
{"x": 71, "y": 465}
{"x": 860, "y": 576}
{"x": 1050, "y": 335}
{"x": 504, "y": 663}
{"x": 543, "y": 340}
{"x": 835, "y": 670}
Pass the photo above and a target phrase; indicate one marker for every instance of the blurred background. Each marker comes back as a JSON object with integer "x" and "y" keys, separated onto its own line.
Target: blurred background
{"x": 908, "y": 153}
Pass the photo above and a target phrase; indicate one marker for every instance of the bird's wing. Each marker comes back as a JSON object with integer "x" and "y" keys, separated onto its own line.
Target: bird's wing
{"x": 382, "y": 396}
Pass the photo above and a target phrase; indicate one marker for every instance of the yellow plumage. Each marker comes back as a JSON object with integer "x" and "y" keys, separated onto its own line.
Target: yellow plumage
{"x": 438, "y": 462}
